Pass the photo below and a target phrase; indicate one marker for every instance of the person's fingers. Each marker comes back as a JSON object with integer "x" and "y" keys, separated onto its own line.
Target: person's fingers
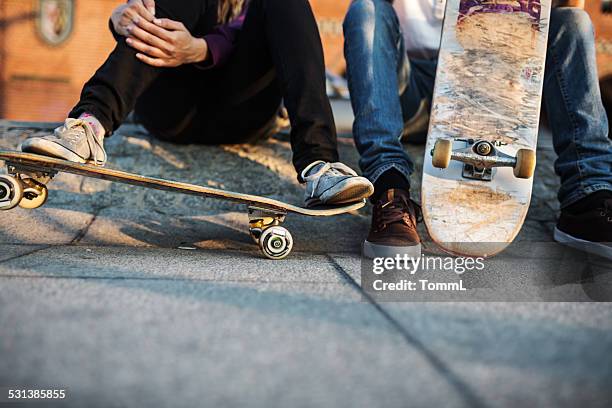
{"x": 127, "y": 14}
{"x": 121, "y": 16}
{"x": 127, "y": 17}
{"x": 169, "y": 24}
{"x": 148, "y": 38}
{"x": 150, "y": 5}
{"x": 154, "y": 29}
{"x": 156, "y": 62}
{"x": 146, "y": 49}
{"x": 140, "y": 10}
{"x": 125, "y": 20}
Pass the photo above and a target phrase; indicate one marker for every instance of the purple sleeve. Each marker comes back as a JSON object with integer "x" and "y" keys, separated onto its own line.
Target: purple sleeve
{"x": 222, "y": 41}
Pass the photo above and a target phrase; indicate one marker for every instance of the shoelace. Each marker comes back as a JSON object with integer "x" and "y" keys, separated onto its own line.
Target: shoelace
{"x": 397, "y": 210}
{"x": 333, "y": 169}
{"x": 71, "y": 133}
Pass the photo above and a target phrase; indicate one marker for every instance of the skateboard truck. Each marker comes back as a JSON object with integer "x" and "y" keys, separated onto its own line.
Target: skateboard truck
{"x": 24, "y": 187}
{"x": 480, "y": 157}
{"x": 265, "y": 228}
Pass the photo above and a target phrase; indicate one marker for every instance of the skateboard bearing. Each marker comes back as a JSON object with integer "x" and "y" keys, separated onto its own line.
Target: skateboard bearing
{"x": 483, "y": 148}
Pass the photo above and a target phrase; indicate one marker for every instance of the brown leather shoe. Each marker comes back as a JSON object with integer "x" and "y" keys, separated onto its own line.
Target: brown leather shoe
{"x": 394, "y": 227}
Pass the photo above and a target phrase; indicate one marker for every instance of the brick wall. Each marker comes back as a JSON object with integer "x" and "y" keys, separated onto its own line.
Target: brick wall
{"x": 603, "y": 30}
{"x": 330, "y": 14}
{"x": 41, "y": 81}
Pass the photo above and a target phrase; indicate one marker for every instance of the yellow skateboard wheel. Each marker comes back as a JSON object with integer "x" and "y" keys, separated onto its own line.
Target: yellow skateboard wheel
{"x": 441, "y": 154}
{"x": 525, "y": 164}
{"x": 35, "y": 194}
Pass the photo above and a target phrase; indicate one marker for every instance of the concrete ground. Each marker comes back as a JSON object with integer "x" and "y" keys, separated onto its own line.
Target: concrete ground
{"x": 97, "y": 298}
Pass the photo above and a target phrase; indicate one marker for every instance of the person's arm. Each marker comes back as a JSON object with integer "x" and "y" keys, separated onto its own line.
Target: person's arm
{"x": 222, "y": 41}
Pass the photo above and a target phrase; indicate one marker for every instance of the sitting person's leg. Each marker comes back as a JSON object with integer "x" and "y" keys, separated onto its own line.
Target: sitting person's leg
{"x": 285, "y": 38}
{"x": 416, "y": 99}
{"x": 172, "y": 108}
{"x": 191, "y": 106}
{"x": 580, "y": 131}
{"x": 377, "y": 69}
{"x": 110, "y": 95}
{"x": 279, "y": 56}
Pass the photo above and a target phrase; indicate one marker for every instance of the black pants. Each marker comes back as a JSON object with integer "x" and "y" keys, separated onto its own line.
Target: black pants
{"x": 278, "y": 55}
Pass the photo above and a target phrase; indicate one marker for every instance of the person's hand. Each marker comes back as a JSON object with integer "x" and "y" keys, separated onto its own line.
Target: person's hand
{"x": 124, "y": 15}
{"x": 165, "y": 43}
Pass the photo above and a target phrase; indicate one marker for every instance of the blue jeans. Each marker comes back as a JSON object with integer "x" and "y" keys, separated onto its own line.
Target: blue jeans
{"x": 387, "y": 87}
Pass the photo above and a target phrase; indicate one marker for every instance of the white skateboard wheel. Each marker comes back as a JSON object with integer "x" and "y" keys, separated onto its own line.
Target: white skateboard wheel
{"x": 11, "y": 192}
{"x": 276, "y": 242}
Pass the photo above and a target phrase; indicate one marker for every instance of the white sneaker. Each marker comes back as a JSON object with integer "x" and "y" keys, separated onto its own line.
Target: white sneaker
{"x": 75, "y": 141}
{"x": 334, "y": 183}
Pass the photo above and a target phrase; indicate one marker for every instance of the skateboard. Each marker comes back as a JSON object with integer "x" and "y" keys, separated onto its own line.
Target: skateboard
{"x": 28, "y": 175}
{"x": 480, "y": 154}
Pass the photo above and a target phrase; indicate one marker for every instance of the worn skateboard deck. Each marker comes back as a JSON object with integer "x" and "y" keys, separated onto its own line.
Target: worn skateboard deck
{"x": 29, "y": 173}
{"x": 477, "y": 181}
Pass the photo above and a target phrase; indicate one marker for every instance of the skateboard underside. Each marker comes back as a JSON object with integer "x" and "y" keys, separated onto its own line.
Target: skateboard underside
{"x": 477, "y": 181}
{"x": 28, "y": 175}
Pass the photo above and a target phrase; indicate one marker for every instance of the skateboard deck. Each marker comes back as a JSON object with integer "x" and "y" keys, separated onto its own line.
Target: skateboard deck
{"x": 28, "y": 175}
{"x": 480, "y": 152}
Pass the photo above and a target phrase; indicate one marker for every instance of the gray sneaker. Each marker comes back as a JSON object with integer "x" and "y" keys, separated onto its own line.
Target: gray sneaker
{"x": 74, "y": 141}
{"x": 334, "y": 183}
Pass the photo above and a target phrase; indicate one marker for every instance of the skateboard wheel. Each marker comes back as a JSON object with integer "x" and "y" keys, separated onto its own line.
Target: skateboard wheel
{"x": 11, "y": 192}
{"x": 34, "y": 194}
{"x": 441, "y": 153}
{"x": 525, "y": 164}
{"x": 276, "y": 242}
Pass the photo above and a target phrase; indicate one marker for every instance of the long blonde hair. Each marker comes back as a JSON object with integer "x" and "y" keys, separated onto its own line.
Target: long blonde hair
{"x": 229, "y": 10}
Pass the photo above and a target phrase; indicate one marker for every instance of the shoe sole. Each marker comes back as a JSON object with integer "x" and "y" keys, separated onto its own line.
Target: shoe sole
{"x": 351, "y": 194}
{"x": 348, "y": 194}
{"x": 371, "y": 251}
{"x": 54, "y": 150}
{"x": 46, "y": 148}
{"x": 595, "y": 248}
